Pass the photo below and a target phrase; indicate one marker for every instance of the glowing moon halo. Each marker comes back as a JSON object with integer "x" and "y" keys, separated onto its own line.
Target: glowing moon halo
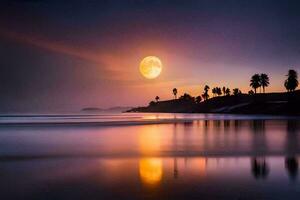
{"x": 150, "y": 67}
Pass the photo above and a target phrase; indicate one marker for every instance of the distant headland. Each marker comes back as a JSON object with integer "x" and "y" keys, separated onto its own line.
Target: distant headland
{"x": 235, "y": 102}
{"x": 112, "y": 109}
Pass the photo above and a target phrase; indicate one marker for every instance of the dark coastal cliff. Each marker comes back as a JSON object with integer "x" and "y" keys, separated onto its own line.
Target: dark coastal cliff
{"x": 269, "y": 103}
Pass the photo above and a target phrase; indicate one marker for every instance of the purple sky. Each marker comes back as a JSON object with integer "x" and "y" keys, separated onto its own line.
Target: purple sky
{"x": 61, "y": 56}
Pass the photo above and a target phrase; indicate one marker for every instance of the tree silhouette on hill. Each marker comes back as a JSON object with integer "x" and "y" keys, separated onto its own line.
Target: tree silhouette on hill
{"x": 264, "y": 81}
{"x": 236, "y": 91}
{"x": 205, "y": 95}
{"x": 291, "y": 83}
{"x": 219, "y": 91}
{"x": 255, "y": 82}
{"x": 251, "y": 92}
{"x": 224, "y": 90}
{"x": 227, "y": 92}
{"x": 214, "y": 91}
{"x": 175, "y": 93}
{"x": 198, "y": 99}
{"x": 157, "y": 98}
{"x": 186, "y": 97}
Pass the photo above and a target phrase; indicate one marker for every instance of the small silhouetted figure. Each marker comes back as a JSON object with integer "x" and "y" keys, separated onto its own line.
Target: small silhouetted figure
{"x": 291, "y": 165}
{"x": 175, "y": 92}
{"x": 259, "y": 168}
{"x": 291, "y": 83}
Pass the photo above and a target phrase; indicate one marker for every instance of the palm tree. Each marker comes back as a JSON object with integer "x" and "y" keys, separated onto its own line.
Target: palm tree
{"x": 157, "y": 98}
{"x": 186, "y": 97}
{"x": 219, "y": 91}
{"x": 227, "y": 92}
{"x": 206, "y": 88}
{"x": 250, "y": 92}
{"x": 255, "y": 82}
{"x": 291, "y": 83}
{"x": 264, "y": 81}
{"x": 236, "y": 91}
{"x": 214, "y": 91}
{"x": 205, "y": 95}
{"x": 224, "y": 90}
{"x": 175, "y": 92}
{"x": 198, "y": 99}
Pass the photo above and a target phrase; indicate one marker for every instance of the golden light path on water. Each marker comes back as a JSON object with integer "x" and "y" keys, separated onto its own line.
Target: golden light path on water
{"x": 150, "y": 168}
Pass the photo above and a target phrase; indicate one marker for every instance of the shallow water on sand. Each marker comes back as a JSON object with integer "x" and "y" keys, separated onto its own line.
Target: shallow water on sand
{"x": 151, "y": 156}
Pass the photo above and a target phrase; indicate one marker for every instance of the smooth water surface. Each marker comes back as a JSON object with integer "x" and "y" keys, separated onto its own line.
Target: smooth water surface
{"x": 178, "y": 156}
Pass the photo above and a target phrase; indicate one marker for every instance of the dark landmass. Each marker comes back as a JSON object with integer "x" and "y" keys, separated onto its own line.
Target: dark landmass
{"x": 92, "y": 109}
{"x": 112, "y": 109}
{"x": 268, "y": 103}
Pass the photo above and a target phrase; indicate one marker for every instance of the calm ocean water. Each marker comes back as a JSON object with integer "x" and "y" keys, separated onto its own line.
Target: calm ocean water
{"x": 149, "y": 156}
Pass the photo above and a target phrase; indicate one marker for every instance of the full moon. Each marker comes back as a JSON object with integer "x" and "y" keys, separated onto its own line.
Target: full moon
{"x": 150, "y": 67}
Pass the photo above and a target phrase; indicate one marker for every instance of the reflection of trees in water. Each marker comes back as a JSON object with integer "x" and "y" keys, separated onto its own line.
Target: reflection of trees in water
{"x": 175, "y": 172}
{"x": 259, "y": 137}
{"x": 226, "y": 125}
{"x": 237, "y": 125}
{"x": 221, "y": 134}
{"x": 258, "y": 126}
{"x": 291, "y": 162}
{"x": 206, "y": 123}
{"x": 291, "y": 165}
{"x": 292, "y": 137}
{"x": 217, "y": 124}
{"x": 259, "y": 168}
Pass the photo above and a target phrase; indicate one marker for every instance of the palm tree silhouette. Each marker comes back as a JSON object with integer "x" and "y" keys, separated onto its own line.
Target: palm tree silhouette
{"x": 186, "y": 97}
{"x": 214, "y": 91}
{"x": 224, "y": 90}
{"x": 255, "y": 82}
{"x": 227, "y": 91}
{"x": 218, "y": 91}
{"x": 236, "y": 91}
{"x": 264, "y": 81}
{"x": 175, "y": 92}
{"x": 206, "y": 88}
{"x": 205, "y": 95}
{"x": 157, "y": 98}
{"x": 291, "y": 83}
{"x": 250, "y": 92}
